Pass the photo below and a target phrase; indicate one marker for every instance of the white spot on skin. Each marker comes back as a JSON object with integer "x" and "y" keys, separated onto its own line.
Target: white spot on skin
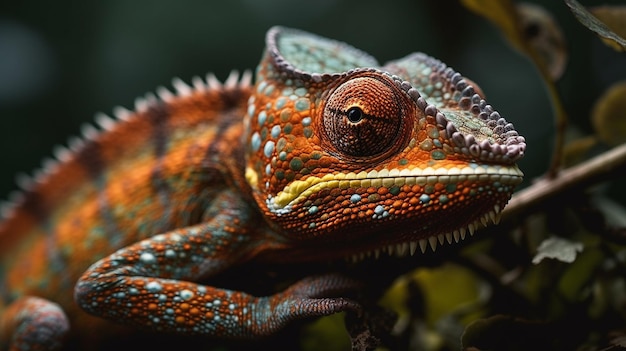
{"x": 153, "y": 286}
{"x": 379, "y": 210}
{"x": 268, "y": 149}
{"x": 147, "y": 258}
{"x": 186, "y": 294}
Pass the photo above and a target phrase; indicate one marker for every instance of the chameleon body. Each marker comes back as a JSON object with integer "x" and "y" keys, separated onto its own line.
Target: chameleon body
{"x": 328, "y": 155}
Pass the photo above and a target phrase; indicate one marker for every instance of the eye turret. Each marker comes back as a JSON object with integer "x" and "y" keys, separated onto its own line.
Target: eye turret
{"x": 367, "y": 117}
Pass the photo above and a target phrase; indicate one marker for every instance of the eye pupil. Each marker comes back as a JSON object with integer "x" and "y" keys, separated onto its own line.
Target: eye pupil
{"x": 355, "y": 114}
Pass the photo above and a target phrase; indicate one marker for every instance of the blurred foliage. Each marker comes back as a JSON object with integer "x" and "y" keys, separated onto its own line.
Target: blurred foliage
{"x": 609, "y": 115}
{"x": 61, "y": 62}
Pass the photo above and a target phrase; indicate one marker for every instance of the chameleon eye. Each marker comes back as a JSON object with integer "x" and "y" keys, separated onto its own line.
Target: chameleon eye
{"x": 355, "y": 114}
{"x": 365, "y": 117}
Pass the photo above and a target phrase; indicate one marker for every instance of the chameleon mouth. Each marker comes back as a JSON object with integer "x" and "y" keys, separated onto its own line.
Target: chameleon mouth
{"x": 298, "y": 191}
{"x": 411, "y": 247}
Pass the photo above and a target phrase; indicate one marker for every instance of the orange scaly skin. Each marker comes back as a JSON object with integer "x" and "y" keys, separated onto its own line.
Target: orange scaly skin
{"x": 329, "y": 155}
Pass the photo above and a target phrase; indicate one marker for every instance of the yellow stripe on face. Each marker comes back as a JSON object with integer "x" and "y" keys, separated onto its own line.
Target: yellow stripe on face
{"x": 252, "y": 177}
{"x": 300, "y": 190}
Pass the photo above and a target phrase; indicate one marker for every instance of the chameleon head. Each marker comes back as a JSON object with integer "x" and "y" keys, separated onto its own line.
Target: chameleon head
{"x": 365, "y": 156}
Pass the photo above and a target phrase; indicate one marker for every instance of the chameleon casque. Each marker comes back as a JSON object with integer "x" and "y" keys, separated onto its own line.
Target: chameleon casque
{"x": 328, "y": 155}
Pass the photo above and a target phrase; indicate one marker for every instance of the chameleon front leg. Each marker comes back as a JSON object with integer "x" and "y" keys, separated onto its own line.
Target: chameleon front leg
{"x": 152, "y": 284}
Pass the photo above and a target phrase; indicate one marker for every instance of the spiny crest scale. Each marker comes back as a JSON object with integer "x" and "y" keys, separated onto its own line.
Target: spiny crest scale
{"x": 90, "y": 132}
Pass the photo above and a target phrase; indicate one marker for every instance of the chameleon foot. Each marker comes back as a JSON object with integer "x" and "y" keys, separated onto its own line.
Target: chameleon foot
{"x": 33, "y": 324}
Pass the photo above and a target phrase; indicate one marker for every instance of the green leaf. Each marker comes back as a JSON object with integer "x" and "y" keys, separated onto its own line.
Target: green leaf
{"x": 446, "y": 290}
{"x": 327, "y": 333}
{"x": 614, "y": 16}
{"x": 609, "y": 115}
{"x": 558, "y": 248}
{"x": 613, "y": 211}
{"x": 574, "y": 281}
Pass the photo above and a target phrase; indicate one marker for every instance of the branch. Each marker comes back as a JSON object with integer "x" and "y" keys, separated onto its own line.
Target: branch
{"x": 602, "y": 167}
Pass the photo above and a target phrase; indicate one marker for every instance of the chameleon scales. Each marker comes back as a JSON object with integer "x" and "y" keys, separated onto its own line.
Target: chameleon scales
{"x": 328, "y": 155}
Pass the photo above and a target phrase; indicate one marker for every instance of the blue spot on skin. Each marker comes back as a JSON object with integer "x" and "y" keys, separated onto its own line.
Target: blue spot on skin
{"x": 355, "y": 198}
{"x": 261, "y": 86}
{"x": 262, "y": 117}
{"x": 313, "y": 209}
{"x": 306, "y": 121}
{"x": 275, "y": 131}
{"x": 268, "y": 169}
{"x": 153, "y": 286}
{"x": 379, "y": 210}
{"x": 186, "y": 294}
{"x": 438, "y": 155}
{"x": 425, "y": 199}
{"x": 251, "y": 110}
{"x": 268, "y": 149}
{"x": 255, "y": 142}
{"x": 147, "y": 258}
{"x": 269, "y": 90}
{"x": 443, "y": 199}
{"x": 280, "y": 103}
{"x": 302, "y": 105}
{"x": 451, "y": 187}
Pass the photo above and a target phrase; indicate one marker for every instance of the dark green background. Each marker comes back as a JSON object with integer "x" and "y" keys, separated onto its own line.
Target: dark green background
{"x": 62, "y": 61}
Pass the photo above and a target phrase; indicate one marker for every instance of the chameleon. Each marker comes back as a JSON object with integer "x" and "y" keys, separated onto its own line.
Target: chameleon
{"x": 328, "y": 155}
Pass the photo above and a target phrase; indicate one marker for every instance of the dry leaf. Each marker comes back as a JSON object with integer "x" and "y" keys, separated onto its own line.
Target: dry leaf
{"x": 604, "y": 30}
{"x": 544, "y": 35}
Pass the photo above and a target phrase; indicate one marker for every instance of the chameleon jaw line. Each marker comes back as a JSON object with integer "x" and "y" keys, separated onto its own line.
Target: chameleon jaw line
{"x": 411, "y": 247}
